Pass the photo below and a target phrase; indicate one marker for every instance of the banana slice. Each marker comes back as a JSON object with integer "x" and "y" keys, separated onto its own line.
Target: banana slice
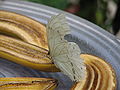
{"x": 24, "y": 28}
{"x": 26, "y": 54}
{"x": 27, "y": 83}
{"x": 100, "y": 75}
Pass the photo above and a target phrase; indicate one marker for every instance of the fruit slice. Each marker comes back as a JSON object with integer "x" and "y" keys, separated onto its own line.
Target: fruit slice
{"x": 27, "y": 83}
{"x": 24, "y": 28}
{"x": 100, "y": 75}
{"x": 25, "y": 54}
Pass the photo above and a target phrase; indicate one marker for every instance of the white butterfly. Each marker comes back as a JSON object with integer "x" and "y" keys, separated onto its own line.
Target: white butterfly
{"x": 66, "y": 55}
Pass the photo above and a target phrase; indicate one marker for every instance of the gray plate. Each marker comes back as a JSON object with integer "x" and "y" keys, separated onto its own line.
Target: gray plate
{"x": 91, "y": 39}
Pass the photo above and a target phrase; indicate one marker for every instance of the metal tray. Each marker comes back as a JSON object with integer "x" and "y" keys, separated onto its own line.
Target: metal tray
{"x": 91, "y": 39}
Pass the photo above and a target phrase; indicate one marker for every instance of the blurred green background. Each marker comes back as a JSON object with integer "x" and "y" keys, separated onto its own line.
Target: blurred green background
{"x": 100, "y": 12}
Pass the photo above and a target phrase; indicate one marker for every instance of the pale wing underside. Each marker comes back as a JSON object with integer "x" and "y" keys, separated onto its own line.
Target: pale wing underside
{"x": 70, "y": 62}
{"x": 57, "y": 28}
{"x": 66, "y": 55}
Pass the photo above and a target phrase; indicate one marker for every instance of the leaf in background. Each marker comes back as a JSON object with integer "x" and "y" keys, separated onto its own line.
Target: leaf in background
{"x": 61, "y": 4}
{"x": 99, "y": 17}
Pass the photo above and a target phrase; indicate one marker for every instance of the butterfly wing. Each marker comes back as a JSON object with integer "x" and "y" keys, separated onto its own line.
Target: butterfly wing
{"x": 57, "y": 28}
{"x": 66, "y": 55}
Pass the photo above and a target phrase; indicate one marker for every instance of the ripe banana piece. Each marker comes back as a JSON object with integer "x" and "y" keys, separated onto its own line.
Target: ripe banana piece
{"x": 24, "y": 28}
{"x": 100, "y": 75}
{"x": 27, "y": 83}
{"x": 26, "y": 54}
{"x": 33, "y": 52}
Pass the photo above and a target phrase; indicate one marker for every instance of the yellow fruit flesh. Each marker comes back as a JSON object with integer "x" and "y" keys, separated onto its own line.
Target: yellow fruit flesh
{"x": 100, "y": 75}
{"x": 14, "y": 30}
{"x": 27, "y": 83}
{"x": 22, "y": 25}
{"x": 30, "y": 31}
{"x": 26, "y": 54}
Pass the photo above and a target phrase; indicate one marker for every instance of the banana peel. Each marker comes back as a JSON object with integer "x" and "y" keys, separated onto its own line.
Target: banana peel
{"x": 16, "y": 29}
{"x": 100, "y": 75}
{"x": 26, "y": 54}
{"x": 24, "y": 28}
{"x": 27, "y": 83}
